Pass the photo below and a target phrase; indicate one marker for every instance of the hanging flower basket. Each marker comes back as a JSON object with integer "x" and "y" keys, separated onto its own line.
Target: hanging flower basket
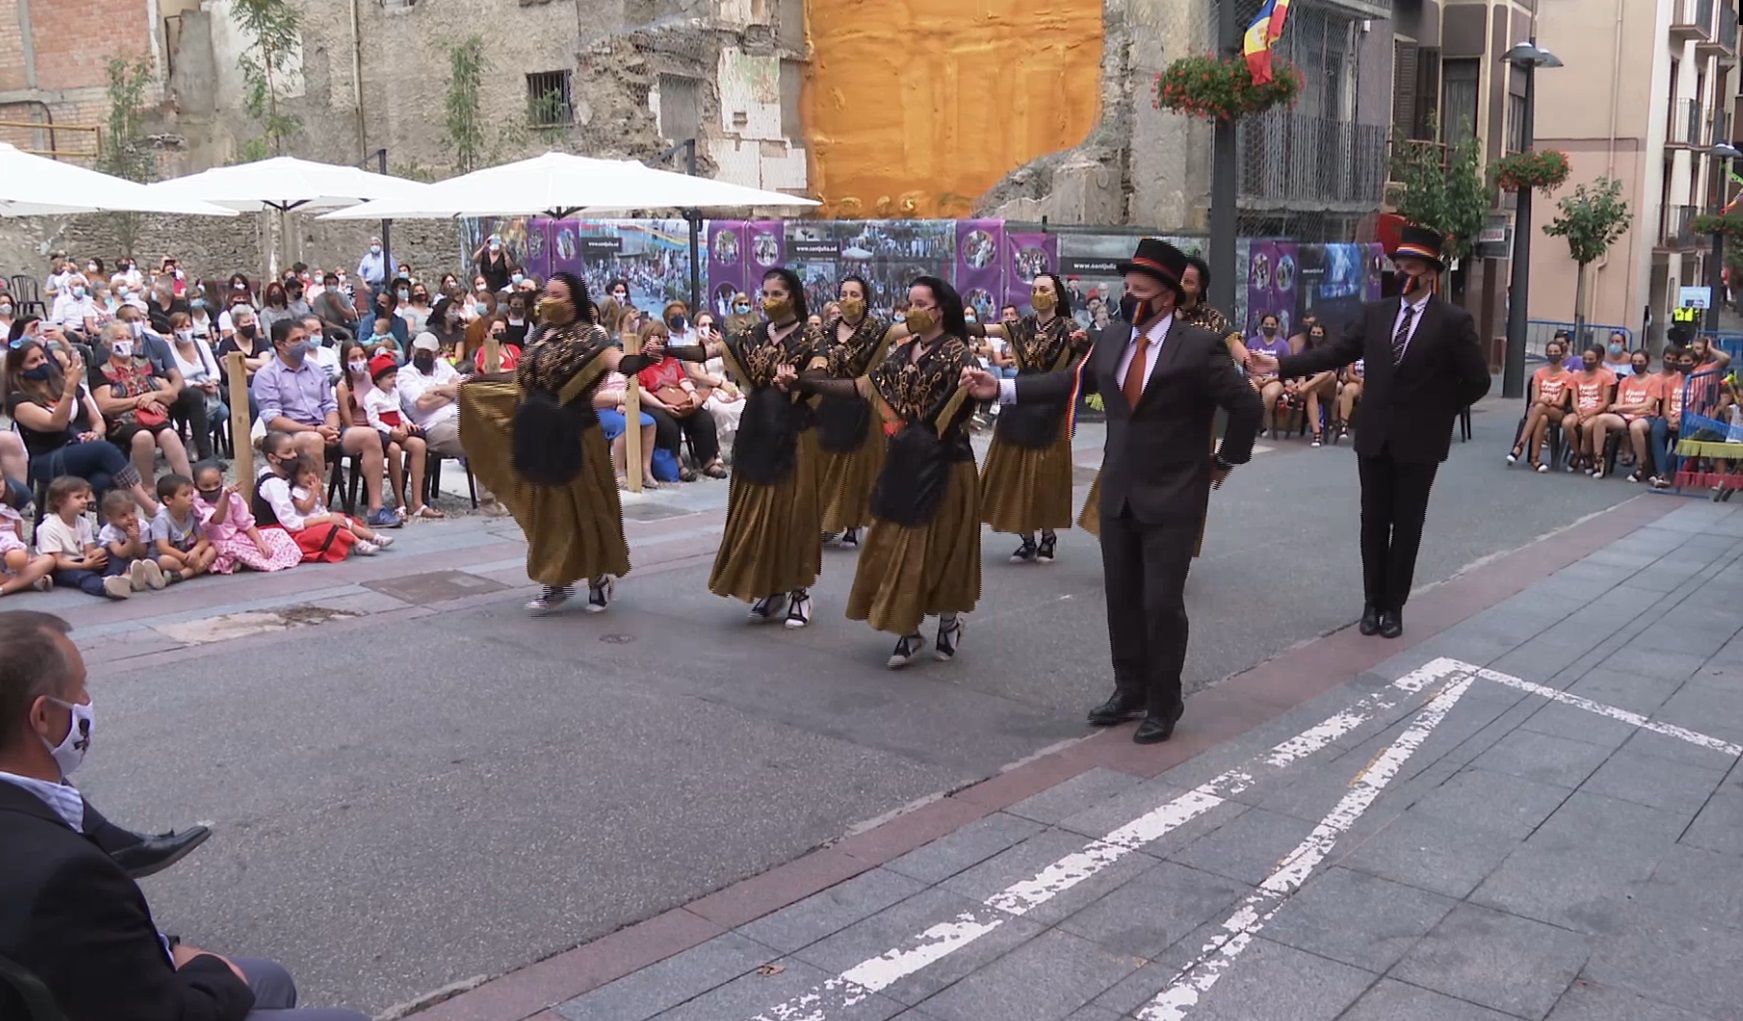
{"x": 1205, "y": 86}
{"x": 1729, "y": 224}
{"x": 1542, "y": 169}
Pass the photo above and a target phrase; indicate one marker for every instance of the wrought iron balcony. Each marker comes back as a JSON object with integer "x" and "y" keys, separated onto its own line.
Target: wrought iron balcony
{"x": 1296, "y": 161}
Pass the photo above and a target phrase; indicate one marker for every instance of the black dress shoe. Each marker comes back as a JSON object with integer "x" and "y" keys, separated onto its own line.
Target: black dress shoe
{"x": 1391, "y": 623}
{"x": 1116, "y": 710}
{"x": 1370, "y": 624}
{"x": 154, "y": 854}
{"x": 1158, "y": 727}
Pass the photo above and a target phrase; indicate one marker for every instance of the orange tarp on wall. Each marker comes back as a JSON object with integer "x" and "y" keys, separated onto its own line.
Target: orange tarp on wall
{"x": 913, "y": 108}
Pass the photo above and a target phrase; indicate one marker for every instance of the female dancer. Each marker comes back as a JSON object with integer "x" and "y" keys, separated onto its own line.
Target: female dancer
{"x": 1026, "y": 483}
{"x": 771, "y": 552}
{"x": 535, "y": 442}
{"x": 922, "y": 552}
{"x": 852, "y": 451}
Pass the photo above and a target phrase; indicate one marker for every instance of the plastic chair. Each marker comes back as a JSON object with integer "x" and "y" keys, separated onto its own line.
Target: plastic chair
{"x": 26, "y": 295}
{"x": 433, "y": 477}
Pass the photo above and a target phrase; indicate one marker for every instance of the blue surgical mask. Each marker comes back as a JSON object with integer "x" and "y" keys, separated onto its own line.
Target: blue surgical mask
{"x": 374, "y": 249}
{"x": 741, "y": 309}
{"x": 1615, "y": 349}
{"x": 78, "y": 292}
{"x": 197, "y": 303}
{"x": 517, "y": 278}
{"x": 481, "y": 308}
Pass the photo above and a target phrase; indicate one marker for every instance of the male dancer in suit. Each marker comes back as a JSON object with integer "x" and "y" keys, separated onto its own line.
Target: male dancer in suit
{"x": 1424, "y": 366}
{"x": 1161, "y": 381}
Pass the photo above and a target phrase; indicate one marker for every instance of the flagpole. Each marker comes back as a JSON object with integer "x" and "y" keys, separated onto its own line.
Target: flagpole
{"x": 1224, "y": 181}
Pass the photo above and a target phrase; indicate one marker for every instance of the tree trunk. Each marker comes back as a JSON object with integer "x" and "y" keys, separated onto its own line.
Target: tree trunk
{"x": 1580, "y": 338}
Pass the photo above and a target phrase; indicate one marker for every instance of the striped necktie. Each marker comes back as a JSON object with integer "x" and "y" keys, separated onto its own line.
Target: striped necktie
{"x": 1401, "y": 339}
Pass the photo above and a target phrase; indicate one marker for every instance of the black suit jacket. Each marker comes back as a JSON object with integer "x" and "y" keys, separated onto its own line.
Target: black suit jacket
{"x": 1407, "y": 409}
{"x": 70, "y": 916}
{"x": 1157, "y": 460}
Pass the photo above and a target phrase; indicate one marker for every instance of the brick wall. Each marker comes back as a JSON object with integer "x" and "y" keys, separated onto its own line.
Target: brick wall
{"x": 72, "y": 49}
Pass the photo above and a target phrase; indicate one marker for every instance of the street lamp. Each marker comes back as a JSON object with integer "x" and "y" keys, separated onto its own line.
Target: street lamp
{"x": 1726, "y": 152}
{"x": 1528, "y": 56}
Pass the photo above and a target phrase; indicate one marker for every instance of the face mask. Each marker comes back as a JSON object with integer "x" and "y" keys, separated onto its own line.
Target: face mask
{"x": 481, "y": 308}
{"x": 137, "y": 327}
{"x": 496, "y": 246}
{"x": 70, "y": 753}
{"x": 92, "y": 268}
{"x": 247, "y": 331}
{"x": 424, "y": 361}
{"x": 919, "y": 320}
{"x": 1552, "y": 358}
{"x": 517, "y": 316}
{"x": 777, "y": 309}
{"x": 554, "y": 312}
{"x": 5, "y": 310}
{"x": 374, "y": 249}
{"x": 41, "y": 374}
{"x": 358, "y": 368}
{"x": 623, "y": 297}
{"x": 123, "y": 294}
{"x": 1591, "y": 364}
{"x": 121, "y": 348}
{"x": 970, "y": 316}
{"x": 78, "y": 292}
{"x": 1641, "y": 370}
{"x": 404, "y": 294}
{"x": 197, "y": 303}
{"x": 184, "y": 335}
{"x": 1135, "y": 311}
{"x": 178, "y": 274}
{"x": 742, "y": 310}
{"x": 677, "y": 323}
{"x": 211, "y": 496}
{"x": 517, "y": 278}
{"x": 239, "y": 286}
{"x": 1269, "y": 331}
{"x": 852, "y": 308}
{"x": 1043, "y": 301}
{"x": 1615, "y": 349}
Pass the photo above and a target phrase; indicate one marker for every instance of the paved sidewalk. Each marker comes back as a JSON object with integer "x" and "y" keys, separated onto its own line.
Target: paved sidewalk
{"x": 1533, "y": 813}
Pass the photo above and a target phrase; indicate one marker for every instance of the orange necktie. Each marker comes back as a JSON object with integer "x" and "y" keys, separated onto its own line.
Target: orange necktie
{"x": 1133, "y": 386}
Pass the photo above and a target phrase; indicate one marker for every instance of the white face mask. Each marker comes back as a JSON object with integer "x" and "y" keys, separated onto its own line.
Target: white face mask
{"x": 137, "y": 327}
{"x": 184, "y": 335}
{"x": 70, "y": 753}
{"x": 121, "y": 348}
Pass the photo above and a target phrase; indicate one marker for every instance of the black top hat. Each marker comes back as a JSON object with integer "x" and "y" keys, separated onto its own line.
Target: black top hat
{"x": 1420, "y": 243}
{"x": 1157, "y": 258}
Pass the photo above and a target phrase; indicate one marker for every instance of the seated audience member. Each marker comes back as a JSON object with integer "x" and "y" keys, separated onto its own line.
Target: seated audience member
{"x": 1594, "y": 390}
{"x": 1349, "y": 392}
{"x": 1270, "y": 388}
{"x": 725, "y": 400}
{"x": 671, "y": 395}
{"x": 200, "y": 317}
{"x": 20, "y": 569}
{"x": 295, "y": 397}
{"x": 609, "y": 402}
{"x": 190, "y": 403}
{"x": 244, "y": 338}
{"x": 383, "y": 331}
{"x": 507, "y": 355}
{"x": 310, "y": 511}
{"x": 74, "y": 918}
{"x": 1679, "y": 363}
{"x": 406, "y": 449}
{"x": 1639, "y": 397}
{"x": 178, "y": 538}
{"x": 60, "y": 425}
{"x": 1319, "y": 387}
{"x": 429, "y": 394}
{"x": 236, "y": 537}
{"x": 323, "y": 538}
{"x": 135, "y": 402}
{"x": 333, "y": 307}
{"x": 1616, "y": 357}
{"x": 199, "y": 370}
{"x": 66, "y": 535}
{"x": 128, "y": 544}
{"x": 1550, "y": 393}
{"x": 75, "y": 310}
{"x": 325, "y": 350}
{"x": 518, "y": 321}
{"x": 1707, "y": 355}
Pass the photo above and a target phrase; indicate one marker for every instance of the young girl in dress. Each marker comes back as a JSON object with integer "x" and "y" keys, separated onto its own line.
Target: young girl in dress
{"x": 311, "y": 512}
{"x": 231, "y": 528}
{"x": 19, "y": 570}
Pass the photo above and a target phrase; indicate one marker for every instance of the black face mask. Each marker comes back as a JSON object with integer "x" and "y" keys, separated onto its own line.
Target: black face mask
{"x": 211, "y": 495}
{"x": 247, "y": 331}
{"x": 677, "y": 323}
{"x": 1135, "y": 311}
{"x": 41, "y": 374}
{"x": 424, "y": 361}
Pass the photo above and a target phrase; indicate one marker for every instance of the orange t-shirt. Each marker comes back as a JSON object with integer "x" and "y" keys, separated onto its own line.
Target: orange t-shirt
{"x": 1551, "y": 382}
{"x": 1636, "y": 390}
{"x": 1671, "y": 384}
{"x": 1589, "y": 390}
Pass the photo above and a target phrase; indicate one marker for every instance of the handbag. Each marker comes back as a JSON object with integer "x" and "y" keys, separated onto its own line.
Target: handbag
{"x": 683, "y": 403}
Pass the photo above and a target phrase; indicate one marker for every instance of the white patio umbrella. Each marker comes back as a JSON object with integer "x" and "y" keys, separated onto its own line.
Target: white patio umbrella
{"x": 559, "y": 185}
{"x": 284, "y": 183}
{"x": 32, "y": 185}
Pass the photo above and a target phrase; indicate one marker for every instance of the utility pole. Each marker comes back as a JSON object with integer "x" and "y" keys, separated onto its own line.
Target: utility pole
{"x": 1225, "y": 177}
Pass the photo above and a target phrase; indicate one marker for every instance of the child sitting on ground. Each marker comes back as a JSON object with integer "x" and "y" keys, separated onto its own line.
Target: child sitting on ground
{"x": 130, "y": 550}
{"x": 176, "y": 534}
{"x": 231, "y": 528}
{"x": 66, "y": 535}
{"x": 294, "y": 498}
{"x": 18, "y": 569}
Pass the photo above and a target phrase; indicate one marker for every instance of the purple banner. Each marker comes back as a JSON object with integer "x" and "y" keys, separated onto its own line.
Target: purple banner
{"x": 728, "y": 242}
{"x": 980, "y": 276}
{"x": 1271, "y": 277}
{"x": 1027, "y": 254}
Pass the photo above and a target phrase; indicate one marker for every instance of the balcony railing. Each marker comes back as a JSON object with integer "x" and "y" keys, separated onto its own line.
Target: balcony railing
{"x": 1687, "y": 128}
{"x": 1677, "y": 231}
{"x": 1691, "y": 19}
{"x": 1727, "y": 39}
{"x": 1299, "y": 161}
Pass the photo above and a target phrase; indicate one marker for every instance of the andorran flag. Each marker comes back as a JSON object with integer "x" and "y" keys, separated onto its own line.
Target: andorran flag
{"x": 1263, "y": 34}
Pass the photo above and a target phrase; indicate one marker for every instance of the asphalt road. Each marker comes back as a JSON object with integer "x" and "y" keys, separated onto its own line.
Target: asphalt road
{"x": 402, "y": 805}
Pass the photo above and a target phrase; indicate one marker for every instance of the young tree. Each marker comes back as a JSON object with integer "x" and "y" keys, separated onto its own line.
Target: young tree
{"x": 125, "y": 152}
{"x": 467, "y": 66}
{"x": 273, "y": 29}
{"x": 1592, "y": 219}
{"x": 1443, "y": 191}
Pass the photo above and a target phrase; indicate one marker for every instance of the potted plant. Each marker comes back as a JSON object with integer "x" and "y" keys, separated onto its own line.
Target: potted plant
{"x": 1542, "y": 169}
{"x": 1203, "y": 85}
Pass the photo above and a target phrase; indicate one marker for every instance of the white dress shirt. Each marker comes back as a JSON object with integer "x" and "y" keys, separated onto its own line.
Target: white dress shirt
{"x": 1153, "y": 337}
{"x": 1416, "y": 308}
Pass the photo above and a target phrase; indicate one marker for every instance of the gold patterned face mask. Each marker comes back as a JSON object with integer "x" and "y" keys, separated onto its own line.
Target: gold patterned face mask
{"x": 1043, "y": 301}
{"x": 777, "y": 309}
{"x": 555, "y": 312}
{"x": 852, "y": 308}
{"x": 919, "y": 320}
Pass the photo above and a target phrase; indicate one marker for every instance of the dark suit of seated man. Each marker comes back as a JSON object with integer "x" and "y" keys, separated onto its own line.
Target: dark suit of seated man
{"x": 69, "y": 914}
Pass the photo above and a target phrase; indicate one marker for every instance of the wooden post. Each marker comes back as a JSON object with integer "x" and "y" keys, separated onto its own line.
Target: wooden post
{"x": 240, "y": 424}
{"x": 632, "y": 420}
{"x": 492, "y": 354}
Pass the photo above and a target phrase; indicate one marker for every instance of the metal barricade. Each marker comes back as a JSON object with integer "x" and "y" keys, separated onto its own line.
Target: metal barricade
{"x": 1539, "y": 332}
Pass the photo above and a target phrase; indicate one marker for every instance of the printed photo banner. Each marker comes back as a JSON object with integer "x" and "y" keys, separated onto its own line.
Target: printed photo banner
{"x": 980, "y": 267}
{"x": 1026, "y": 254}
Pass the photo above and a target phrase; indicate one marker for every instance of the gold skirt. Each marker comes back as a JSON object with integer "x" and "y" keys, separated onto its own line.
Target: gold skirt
{"x": 904, "y": 574}
{"x": 773, "y": 541}
{"x": 1024, "y": 490}
{"x": 847, "y": 481}
{"x": 1090, "y": 519}
{"x": 575, "y": 532}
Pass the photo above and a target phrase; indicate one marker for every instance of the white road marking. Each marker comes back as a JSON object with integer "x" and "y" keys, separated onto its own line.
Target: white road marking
{"x": 1261, "y": 905}
{"x": 853, "y": 986}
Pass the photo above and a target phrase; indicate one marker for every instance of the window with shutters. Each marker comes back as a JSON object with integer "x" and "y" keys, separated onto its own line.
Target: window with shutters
{"x": 1404, "y": 74}
{"x": 1460, "y": 80}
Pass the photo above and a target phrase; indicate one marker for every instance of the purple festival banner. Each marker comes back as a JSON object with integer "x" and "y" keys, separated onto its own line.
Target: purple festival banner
{"x": 728, "y": 242}
{"x": 979, "y": 271}
{"x": 1026, "y": 254}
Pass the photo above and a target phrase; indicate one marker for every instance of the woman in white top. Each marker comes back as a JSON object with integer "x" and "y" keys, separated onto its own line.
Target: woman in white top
{"x": 200, "y": 316}
{"x": 198, "y": 366}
